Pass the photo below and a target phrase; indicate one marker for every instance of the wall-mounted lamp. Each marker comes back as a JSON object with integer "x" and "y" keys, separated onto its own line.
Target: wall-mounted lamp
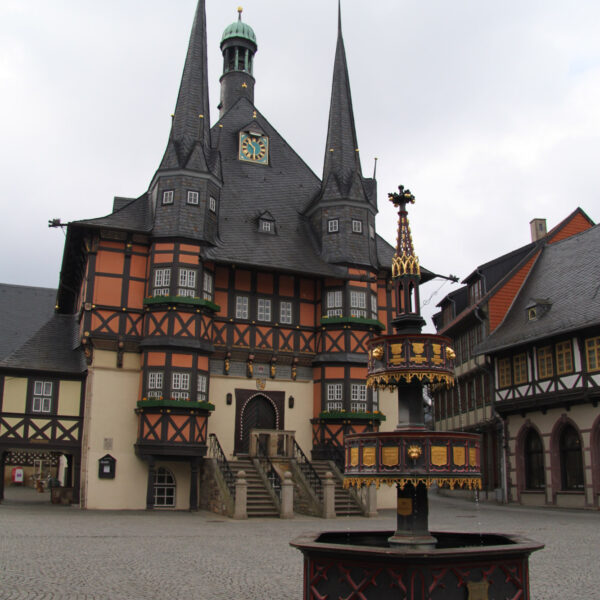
{"x": 229, "y": 399}
{"x": 291, "y": 401}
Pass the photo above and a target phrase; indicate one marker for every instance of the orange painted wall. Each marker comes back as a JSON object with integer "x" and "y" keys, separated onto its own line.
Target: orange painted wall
{"x": 307, "y": 289}
{"x": 286, "y": 285}
{"x": 264, "y": 283}
{"x": 135, "y": 297}
{"x": 501, "y": 301}
{"x": 107, "y": 290}
{"x": 189, "y": 248}
{"x": 156, "y": 359}
{"x": 358, "y": 373}
{"x": 221, "y": 277}
{"x": 306, "y": 315}
{"x": 188, "y": 259}
{"x": 182, "y": 360}
{"x": 576, "y": 225}
{"x": 221, "y": 302}
{"x": 109, "y": 262}
{"x": 242, "y": 280}
{"x": 202, "y": 363}
{"x": 334, "y": 372}
{"x": 137, "y": 268}
{"x": 160, "y": 258}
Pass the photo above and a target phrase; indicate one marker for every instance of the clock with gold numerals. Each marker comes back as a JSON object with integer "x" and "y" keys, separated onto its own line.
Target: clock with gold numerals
{"x": 254, "y": 147}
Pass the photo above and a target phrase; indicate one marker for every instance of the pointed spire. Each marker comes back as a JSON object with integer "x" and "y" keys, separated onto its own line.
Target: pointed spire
{"x": 341, "y": 152}
{"x": 191, "y": 121}
{"x": 405, "y": 261}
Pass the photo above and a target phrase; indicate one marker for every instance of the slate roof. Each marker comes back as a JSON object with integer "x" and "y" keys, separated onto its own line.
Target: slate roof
{"x": 35, "y": 338}
{"x": 135, "y": 215}
{"x": 567, "y": 274}
{"x": 24, "y": 310}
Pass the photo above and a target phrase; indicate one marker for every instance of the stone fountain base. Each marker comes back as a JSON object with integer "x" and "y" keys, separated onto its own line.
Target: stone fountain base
{"x": 465, "y": 566}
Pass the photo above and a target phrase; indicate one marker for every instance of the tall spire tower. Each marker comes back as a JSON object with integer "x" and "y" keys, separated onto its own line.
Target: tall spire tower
{"x": 185, "y": 190}
{"x": 345, "y": 196}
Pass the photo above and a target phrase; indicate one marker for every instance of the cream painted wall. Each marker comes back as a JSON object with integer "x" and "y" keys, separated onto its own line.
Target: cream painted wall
{"x": 111, "y": 398}
{"x": 69, "y": 398}
{"x": 15, "y": 394}
{"x": 222, "y": 419}
{"x": 388, "y": 405}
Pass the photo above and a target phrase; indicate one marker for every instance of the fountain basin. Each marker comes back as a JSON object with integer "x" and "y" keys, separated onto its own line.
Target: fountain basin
{"x": 465, "y": 566}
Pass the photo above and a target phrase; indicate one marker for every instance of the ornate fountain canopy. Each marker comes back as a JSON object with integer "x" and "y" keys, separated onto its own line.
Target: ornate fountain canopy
{"x": 405, "y": 262}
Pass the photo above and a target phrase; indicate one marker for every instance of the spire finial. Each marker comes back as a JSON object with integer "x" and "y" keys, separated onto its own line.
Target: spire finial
{"x": 405, "y": 261}
{"x": 240, "y": 11}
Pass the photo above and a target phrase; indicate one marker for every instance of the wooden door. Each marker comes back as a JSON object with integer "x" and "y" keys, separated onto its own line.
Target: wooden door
{"x": 258, "y": 413}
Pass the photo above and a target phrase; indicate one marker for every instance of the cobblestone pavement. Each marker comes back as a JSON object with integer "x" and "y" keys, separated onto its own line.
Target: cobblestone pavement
{"x": 54, "y": 552}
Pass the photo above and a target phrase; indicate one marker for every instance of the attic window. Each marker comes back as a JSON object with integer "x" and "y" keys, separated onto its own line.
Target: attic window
{"x": 266, "y": 226}
{"x": 532, "y": 313}
{"x": 537, "y": 308}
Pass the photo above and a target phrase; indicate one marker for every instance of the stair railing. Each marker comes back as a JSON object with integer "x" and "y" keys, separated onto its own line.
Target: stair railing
{"x": 311, "y": 476}
{"x": 267, "y": 466}
{"x": 336, "y": 454}
{"x": 215, "y": 451}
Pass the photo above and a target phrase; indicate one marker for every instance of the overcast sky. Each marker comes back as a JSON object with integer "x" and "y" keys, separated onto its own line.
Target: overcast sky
{"x": 488, "y": 111}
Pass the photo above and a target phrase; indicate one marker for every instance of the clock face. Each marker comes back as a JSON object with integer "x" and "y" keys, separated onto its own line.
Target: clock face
{"x": 254, "y": 148}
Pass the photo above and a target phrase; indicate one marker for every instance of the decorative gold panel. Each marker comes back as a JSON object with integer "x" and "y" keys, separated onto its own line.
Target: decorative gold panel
{"x": 439, "y": 456}
{"x": 368, "y": 456}
{"x": 389, "y": 456}
{"x": 354, "y": 457}
{"x": 436, "y": 359}
{"x": 473, "y": 457}
{"x": 417, "y": 353}
{"x": 405, "y": 506}
{"x": 478, "y": 590}
{"x": 397, "y": 357}
{"x": 459, "y": 456}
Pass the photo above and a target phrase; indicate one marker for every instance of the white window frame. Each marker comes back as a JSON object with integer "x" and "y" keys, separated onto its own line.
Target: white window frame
{"x": 168, "y": 197}
{"x": 374, "y": 306}
{"x": 42, "y": 397}
{"x": 266, "y": 226}
{"x": 241, "y": 307}
{"x": 162, "y": 281}
{"x": 180, "y": 385}
{"x": 358, "y": 397}
{"x": 358, "y": 304}
{"x": 285, "y": 312}
{"x": 333, "y": 225}
{"x": 335, "y": 303}
{"x": 207, "y": 286}
{"x": 202, "y": 391}
{"x": 164, "y": 480}
{"x": 375, "y": 399}
{"x": 193, "y": 197}
{"x": 212, "y": 204}
{"x": 356, "y": 226}
{"x": 187, "y": 282}
{"x": 263, "y": 310}
{"x": 155, "y": 385}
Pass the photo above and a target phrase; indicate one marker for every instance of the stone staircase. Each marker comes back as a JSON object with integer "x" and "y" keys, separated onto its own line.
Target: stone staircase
{"x": 259, "y": 501}
{"x": 345, "y": 504}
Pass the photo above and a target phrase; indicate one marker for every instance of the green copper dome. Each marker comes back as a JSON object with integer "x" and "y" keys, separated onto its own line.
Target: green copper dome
{"x": 239, "y": 29}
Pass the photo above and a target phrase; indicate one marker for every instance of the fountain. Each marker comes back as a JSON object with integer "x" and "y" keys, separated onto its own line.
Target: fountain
{"x": 413, "y": 562}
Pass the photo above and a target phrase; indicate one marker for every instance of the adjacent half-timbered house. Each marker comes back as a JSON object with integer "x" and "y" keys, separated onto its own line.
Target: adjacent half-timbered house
{"x": 470, "y": 315}
{"x": 237, "y": 293}
{"x": 545, "y": 357}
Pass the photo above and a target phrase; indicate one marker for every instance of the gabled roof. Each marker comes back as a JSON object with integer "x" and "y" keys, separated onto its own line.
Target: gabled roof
{"x": 567, "y": 275}
{"x": 135, "y": 215}
{"x": 24, "y": 310}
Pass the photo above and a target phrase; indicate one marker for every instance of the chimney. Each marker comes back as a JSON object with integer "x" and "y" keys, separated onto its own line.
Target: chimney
{"x": 538, "y": 229}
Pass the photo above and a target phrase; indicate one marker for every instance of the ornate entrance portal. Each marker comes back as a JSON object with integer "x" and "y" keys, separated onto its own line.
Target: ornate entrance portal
{"x": 256, "y": 411}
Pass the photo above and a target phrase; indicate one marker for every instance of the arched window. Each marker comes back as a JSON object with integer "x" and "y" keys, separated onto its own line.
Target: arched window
{"x": 164, "y": 488}
{"x": 534, "y": 461}
{"x": 571, "y": 460}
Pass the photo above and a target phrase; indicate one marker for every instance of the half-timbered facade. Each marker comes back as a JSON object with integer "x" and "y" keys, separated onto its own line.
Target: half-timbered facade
{"x": 238, "y": 292}
{"x": 471, "y": 316}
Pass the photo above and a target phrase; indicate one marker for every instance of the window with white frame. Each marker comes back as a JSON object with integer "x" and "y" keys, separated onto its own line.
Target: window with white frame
{"x": 266, "y": 226}
{"x": 358, "y": 397}
{"x": 333, "y": 225}
{"x": 212, "y": 204}
{"x": 241, "y": 307}
{"x": 373, "y": 306}
{"x": 334, "y": 303}
{"x": 263, "y": 312}
{"x": 162, "y": 282}
{"x": 335, "y": 400}
{"x": 202, "y": 388}
{"x": 168, "y": 197}
{"x": 187, "y": 282}
{"x": 42, "y": 397}
{"x": 375, "y": 400}
{"x": 207, "y": 286}
{"x": 358, "y": 304}
{"x": 155, "y": 385}
{"x": 285, "y": 312}
{"x": 193, "y": 197}
{"x": 164, "y": 488}
{"x": 180, "y": 386}
{"x": 356, "y": 226}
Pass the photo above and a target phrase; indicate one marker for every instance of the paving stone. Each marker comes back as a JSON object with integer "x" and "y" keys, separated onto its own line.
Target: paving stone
{"x": 62, "y": 553}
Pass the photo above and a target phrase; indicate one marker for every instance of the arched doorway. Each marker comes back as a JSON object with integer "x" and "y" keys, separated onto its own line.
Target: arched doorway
{"x": 258, "y": 412}
{"x": 164, "y": 488}
{"x": 534, "y": 461}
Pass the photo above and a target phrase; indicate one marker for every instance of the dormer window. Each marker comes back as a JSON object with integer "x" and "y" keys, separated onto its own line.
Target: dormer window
{"x": 266, "y": 226}
{"x": 532, "y": 313}
{"x": 475, "y": 291}
{"x": 333, "y": 226}
{"x": 537, "y": 308}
